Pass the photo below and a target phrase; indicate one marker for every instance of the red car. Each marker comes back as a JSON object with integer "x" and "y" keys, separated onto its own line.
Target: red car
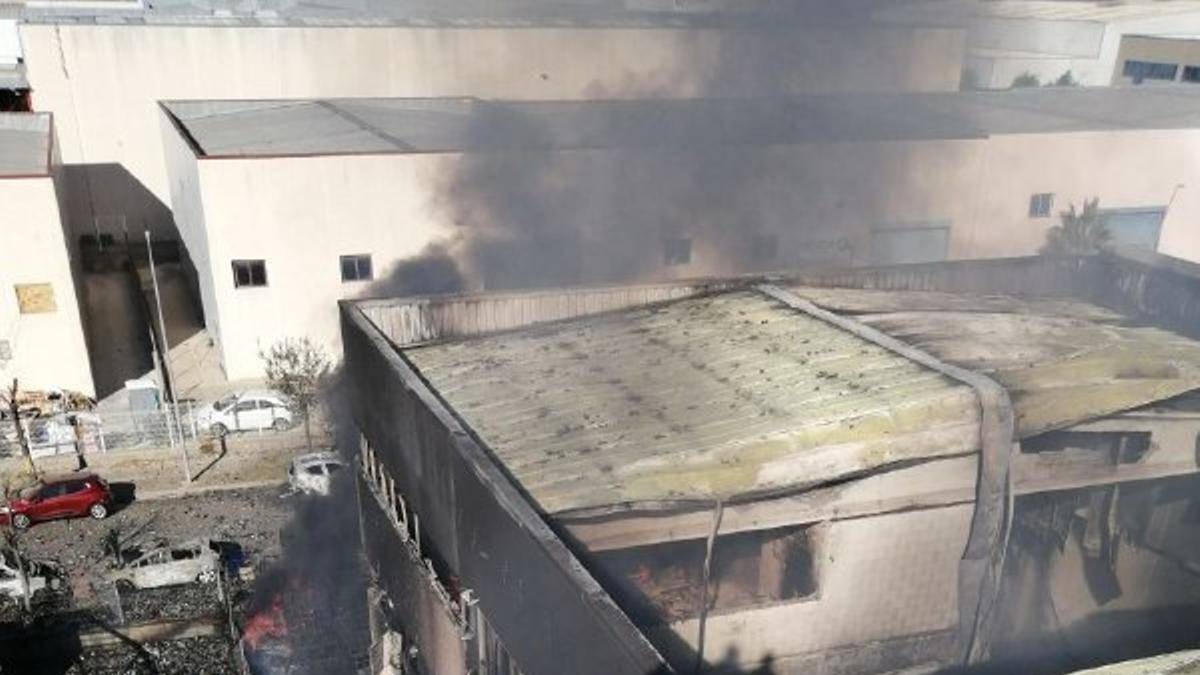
{"x": 70, "y": 496}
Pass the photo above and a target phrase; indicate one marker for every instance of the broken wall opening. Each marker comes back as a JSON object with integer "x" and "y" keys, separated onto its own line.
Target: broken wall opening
{"x": 661, "y": 583}
{"x": 1100, "y": 574}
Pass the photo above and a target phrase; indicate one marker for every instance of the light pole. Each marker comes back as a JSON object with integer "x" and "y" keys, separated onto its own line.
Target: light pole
{"x": 164, "y": 353}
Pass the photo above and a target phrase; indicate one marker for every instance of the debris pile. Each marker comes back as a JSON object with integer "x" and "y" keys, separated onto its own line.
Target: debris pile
{"x": 210, "y": 655}
{"x": 172, "y": 602}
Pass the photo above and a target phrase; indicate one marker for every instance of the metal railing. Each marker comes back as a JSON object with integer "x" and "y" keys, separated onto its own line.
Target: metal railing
{"x": 90, "y": 432}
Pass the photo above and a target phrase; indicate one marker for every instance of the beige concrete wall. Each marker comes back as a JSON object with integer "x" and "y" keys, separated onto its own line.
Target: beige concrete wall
{"x": 1124, "y": 169}
{"x": 48, "y": 347}
{"x": 300, "y": 215}
{"x": 878, "y": 578}
{"x": 102, "y": 81}
{"x": 822, "y": 202}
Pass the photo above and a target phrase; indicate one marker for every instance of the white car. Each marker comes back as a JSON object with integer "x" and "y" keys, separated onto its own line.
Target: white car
{"x": 189, "y": 562}
{"x": 245, "y": 411}
{"x": 40, "y": 575}
{"x": 313, "y": 474}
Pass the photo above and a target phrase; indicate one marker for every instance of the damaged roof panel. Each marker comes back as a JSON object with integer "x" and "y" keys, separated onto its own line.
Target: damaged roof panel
{"x": 723, "y": 395}
{"x": 1062, "y": 362}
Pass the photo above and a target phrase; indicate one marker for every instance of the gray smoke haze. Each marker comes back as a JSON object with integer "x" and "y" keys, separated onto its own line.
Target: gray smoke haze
{"x": 604, "y": 191}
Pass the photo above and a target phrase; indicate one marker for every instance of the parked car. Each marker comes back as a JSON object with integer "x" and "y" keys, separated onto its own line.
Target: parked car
{"x": 198, "y": 560}
{"x": 313, "y": 474}
{"x": 40, "y": 575}
{"x": 245, "y": 411}
{"x": 70, "y": 496}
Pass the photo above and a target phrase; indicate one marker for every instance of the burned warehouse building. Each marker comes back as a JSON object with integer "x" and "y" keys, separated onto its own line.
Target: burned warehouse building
{"x": 973, "y": 463}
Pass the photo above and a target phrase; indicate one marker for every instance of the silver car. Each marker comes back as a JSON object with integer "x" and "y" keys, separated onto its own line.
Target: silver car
{"x": 193, "y": 561}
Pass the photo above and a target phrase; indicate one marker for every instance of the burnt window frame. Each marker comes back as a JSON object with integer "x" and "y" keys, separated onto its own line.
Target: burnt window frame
{"x": 646, "y": 610}
{"x": 250, "y": 266}
{"x": 357, "y": 260}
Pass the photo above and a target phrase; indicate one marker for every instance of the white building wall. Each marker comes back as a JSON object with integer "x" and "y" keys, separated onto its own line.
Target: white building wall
{"x": 1124, "y": 169}
{"x": 1000, "y": 49}
{"x": 300, "y": 215}
{"x": 48, "y": 348}
{"x": 103, "y": 81}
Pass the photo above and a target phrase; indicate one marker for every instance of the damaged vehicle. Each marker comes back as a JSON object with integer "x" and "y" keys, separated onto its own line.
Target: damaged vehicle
{"x": 40, "y": 576}
{"x": 313, "y": 474}
{"x": 198, "y": 560}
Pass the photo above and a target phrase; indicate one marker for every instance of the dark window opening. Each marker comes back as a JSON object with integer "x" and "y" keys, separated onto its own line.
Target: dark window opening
{"x": 677, "y": 251}
{"x": 764, "y": 247}
{"x": 1149, "y": 70}
{"x": 1041, "y": 204}
{"x": 357, "y": 268}
{"x": 15, "y": 100}
{"x": 1124, "y": 447}
{"x": 660, "y": 583}
{"x": 249, "y": 273}
{"x": 1191, "y": 74}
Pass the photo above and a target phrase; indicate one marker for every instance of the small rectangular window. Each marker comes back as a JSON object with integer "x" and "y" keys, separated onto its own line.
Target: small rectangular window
{"x": 1191, "y": 74}
{"x": 677, "y": 251}
{"x": 249, "y": 273}
{"x": 1041, "y": 204}
{"x": 357, "y": 268}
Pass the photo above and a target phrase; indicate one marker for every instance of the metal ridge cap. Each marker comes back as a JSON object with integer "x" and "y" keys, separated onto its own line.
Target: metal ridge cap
{"x": 982, "y": 563}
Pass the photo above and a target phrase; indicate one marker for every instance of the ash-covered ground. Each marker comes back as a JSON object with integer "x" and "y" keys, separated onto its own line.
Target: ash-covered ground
{"x": 250, "y": 518}
{"x": 57, "y": 639}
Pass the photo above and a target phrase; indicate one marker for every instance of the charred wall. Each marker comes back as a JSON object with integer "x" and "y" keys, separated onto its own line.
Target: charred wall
{"x": 1158, "y": 289}
{"x": 412, "y": 606}
{"x": 477, "y": 527}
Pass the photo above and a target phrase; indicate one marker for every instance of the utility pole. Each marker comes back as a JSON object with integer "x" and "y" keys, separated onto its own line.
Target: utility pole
{"x": 164, "y": 353}
{"x": 22, "y": 441}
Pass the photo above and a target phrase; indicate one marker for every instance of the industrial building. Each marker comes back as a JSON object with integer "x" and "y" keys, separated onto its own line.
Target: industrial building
{"x": 1016, "y": 42}
{"x": 41, "y": 335}
{"x": 286, "y": 206}
{"x": 102, "y": 69}
{"x": 1151, "y": 59}
{"x": 984, "y": 462}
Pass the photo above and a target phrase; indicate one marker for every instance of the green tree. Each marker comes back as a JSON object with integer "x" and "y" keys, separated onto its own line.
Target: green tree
{"x": 1026, "y": 79}
{"x": 1067, "y": 79}
{"x": 1080, "y": 233}
{"x": 296, "y": 368}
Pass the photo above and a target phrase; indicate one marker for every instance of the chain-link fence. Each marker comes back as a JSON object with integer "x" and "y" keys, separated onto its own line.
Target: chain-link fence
{"x": 89, "y": 432}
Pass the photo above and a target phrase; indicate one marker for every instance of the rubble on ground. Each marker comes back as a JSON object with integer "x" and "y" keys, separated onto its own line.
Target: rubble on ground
{"x": 210, "y": 655}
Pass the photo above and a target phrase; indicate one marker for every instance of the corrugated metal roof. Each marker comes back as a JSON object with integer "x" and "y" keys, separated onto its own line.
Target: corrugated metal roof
{"x": 335, "y": 126}
{"x": 734, "y": 394}
{"x": 718, "y": 396}
{"x": 24, "y": 144}
{"x": 1063, "y": 362}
